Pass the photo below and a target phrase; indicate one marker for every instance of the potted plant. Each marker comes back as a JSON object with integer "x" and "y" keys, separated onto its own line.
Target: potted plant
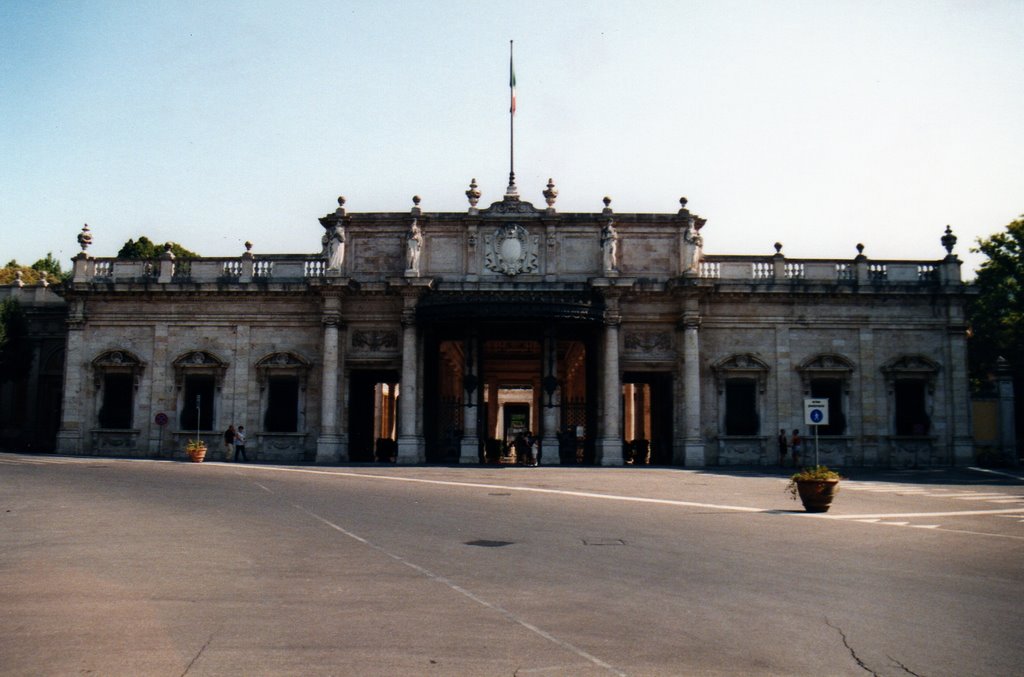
{"x": 196, "y": 450}
{"x": 815, "y": 486}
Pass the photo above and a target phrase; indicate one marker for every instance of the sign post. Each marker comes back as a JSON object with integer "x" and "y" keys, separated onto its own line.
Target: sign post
{"x": 816, "y": 414}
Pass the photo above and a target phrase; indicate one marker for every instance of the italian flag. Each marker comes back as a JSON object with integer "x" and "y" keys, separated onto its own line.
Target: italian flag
{"x": 512, "y": 81}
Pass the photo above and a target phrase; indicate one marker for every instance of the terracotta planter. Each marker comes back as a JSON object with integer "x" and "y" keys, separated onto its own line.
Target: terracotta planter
{"x": 196, "y": 455}
{"x": 817, "y": 495}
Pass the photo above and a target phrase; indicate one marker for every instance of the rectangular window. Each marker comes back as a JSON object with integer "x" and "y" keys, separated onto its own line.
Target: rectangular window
{"x": 911, "y": 410}
{"x": 282, "y": 405}
{"x": 832, "y": 390}
{"x": 741, "y": 407}
{"x": 116, "y": 410}
{"x": 197, "y": 406}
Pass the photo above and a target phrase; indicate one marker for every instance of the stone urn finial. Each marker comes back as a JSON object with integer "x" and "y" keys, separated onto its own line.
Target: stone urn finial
{"x": 473, "y": 194}
{"x": 860, "y": 249}
{"x": 340, "y": 211}
{"x": 778, "y": 247}
{"x": 551, "y": 194}
{"x": 85, "y": 238}
{"x": 949, "y": 241}
{"x": 682, "y": 203}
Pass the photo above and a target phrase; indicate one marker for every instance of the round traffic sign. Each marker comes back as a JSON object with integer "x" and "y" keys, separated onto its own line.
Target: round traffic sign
{"x": 161, "y": 418}
{"x": 816, "y": 415}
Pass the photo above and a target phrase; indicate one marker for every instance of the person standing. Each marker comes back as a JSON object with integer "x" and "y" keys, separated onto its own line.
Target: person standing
{"x": 229, "y": 441}
{"x": 240, "y": 444}
{"x": 794, "y": 445}
{"x": 783, "y": 447}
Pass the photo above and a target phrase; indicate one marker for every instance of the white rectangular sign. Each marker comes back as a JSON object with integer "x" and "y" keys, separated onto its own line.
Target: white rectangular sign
{"x": 816, "y": 411}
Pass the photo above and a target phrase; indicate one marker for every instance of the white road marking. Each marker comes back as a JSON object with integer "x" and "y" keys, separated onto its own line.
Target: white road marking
{"x": 462, "y": 591}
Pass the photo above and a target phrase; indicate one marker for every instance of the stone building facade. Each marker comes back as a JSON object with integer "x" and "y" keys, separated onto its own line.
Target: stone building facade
{"x": 439, "y": 337}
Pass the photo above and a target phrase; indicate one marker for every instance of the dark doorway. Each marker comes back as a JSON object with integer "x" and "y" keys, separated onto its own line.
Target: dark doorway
{"x": 372, "y": 415}
{"x": 647, "y": 417}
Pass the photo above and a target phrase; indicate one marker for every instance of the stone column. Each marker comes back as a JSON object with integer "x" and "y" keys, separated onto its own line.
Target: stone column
{"x": 328, "y": 445}
{"x": 549, "y": 403}
{"x": 410, "y": 448}
{"x": 610, "y": 441}
{"x": 469, "y": 451}
{"x": 694, "y": 455}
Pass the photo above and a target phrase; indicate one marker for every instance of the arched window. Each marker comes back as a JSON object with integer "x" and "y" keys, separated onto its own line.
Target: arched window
{"x": 116, "y": 375}
{"x": 198, "y": 376}
{"x": 741, "y": 381}
{"x": 828, "y": 376}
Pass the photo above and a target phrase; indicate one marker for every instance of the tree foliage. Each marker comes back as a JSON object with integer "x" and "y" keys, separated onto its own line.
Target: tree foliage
{"x": 30, "y": 275}
{"x": 144, "y": 248}
{"x": 997, "y": 312}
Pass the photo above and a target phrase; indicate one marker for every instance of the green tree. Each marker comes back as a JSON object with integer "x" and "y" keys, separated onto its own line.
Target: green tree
{"x": 50, "y": 267}
{"x": 144, "y": 248}
{"x": 997, "y": 312}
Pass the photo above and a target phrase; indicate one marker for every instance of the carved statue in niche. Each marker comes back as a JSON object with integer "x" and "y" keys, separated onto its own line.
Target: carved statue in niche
{"x": 413, "y": 247}
{"x": 610, "y": 246}
{"x": 334, "y": 247}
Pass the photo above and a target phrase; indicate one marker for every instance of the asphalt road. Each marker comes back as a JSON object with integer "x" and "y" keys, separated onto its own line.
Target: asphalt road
{"x": 119, "y": 567}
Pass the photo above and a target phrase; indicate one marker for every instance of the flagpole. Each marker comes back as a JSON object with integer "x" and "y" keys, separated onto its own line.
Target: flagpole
{"x": 512, "y": 190}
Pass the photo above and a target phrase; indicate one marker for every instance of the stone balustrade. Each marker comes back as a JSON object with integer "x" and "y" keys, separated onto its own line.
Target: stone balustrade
{"x": 731, "y": 268}
{"x": 768, "y": 269}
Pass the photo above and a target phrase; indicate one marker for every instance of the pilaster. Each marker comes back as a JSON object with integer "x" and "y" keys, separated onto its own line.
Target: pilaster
{"x": 70, "y": 436}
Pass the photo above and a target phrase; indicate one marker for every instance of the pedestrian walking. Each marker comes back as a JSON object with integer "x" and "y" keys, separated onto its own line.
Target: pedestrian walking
{"x": 794, "y": 446}
{"x": 229, "y": 441}
{"x": 240, "y": 444}
{"x": 783, "y": 447}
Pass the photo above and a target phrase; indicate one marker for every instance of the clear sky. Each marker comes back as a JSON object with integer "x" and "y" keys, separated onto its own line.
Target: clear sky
{"x": 819, "y": 123}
